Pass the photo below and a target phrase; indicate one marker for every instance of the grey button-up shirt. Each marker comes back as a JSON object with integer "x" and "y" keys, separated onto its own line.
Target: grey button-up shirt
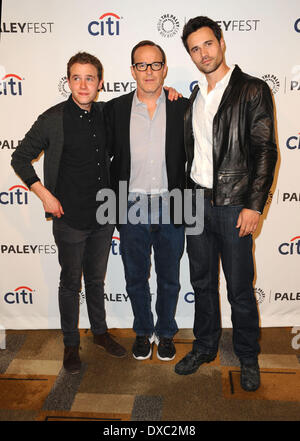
{"x": 147, "y": 147}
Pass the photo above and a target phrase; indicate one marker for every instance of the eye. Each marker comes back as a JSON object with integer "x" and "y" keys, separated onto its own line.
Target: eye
{"x": 194, "y": 49}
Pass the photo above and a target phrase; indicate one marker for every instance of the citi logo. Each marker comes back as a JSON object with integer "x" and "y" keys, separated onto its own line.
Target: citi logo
{"x": 11, "y": 84}
{"x": 108, "y": 24}
{"x": 115, "y": 246}
{"x": 17, "y": 194}
{"x": 293, "y": 247}
{"x": 293, "y": 142}
{"x": 21, "y": 295}
{"x": 189, "y": 297}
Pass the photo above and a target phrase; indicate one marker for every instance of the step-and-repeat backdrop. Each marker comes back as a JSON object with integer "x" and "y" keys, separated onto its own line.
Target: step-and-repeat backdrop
{"x": 37, "y": 40}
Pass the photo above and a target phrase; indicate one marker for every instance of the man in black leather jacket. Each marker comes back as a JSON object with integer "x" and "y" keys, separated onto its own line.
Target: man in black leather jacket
{"x": 231, "y": 153}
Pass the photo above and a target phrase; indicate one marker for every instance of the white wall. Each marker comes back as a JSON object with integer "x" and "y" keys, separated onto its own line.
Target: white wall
{"x": 39, "y": 37}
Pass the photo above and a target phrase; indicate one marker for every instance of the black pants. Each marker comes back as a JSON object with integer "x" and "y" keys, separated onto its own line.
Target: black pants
{"x": 220, "y": 238}
{"x": 81, "y": 252}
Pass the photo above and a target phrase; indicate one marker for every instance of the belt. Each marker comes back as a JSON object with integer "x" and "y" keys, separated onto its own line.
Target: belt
{"x": 207, "y": 191}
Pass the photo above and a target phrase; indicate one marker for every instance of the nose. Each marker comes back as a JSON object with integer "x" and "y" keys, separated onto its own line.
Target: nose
{"x": 203, "y": 52}
{"x": 83, "y": 84}
{"x": 149, "y": 69}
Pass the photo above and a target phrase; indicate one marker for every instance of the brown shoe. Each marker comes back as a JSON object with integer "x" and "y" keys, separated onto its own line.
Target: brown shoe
{"x": 72, "y": 363}
{"x": 106, "y": 342}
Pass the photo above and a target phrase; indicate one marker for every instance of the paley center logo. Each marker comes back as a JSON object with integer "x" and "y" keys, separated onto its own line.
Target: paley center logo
{"x": 63, "y": 87}
{"x": 272, "y": 81}
{"x": 290, "y": 248}
{"x": 21, "y": 295}
{"x": 16, "y": 195}
{"x": 168, "y": 25}
{"x": 11, "y": 84}
{"x": 108, "y": 24}
{"x": 297, "y": 25}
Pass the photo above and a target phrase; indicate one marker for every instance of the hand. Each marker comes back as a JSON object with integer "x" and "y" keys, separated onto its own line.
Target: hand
{"x": 173, "y": 94}
{"x": 50, "y": 203}
{"x": 247, "y": 221}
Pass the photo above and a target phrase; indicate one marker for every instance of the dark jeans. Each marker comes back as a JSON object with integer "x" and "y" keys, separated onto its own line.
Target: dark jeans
{"x": 220, "y": 238}
{"x": 81, "y": 252}
{"x": 168, "y": 243}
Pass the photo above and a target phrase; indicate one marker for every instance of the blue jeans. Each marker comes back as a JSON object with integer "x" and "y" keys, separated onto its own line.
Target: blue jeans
{"x": 136, "y": 242}
{"x": 220, "y": 238}
{"x": 81, "y": 252}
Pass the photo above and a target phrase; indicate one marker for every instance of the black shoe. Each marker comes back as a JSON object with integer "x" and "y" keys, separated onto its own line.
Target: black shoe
{"x": 141, "y": 349}
{"x": 72, "y": 363}
{"x": 250, "y": 377}
{"x": 191, "y": 362}
{"x": 166, "y": 350}
{"x": 106, "y": 342}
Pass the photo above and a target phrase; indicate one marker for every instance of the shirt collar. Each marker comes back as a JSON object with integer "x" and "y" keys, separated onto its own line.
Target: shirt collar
{"x": 78, "y": 111}
{"x": 202, "y": 83}
{"x": 160, "y": 99}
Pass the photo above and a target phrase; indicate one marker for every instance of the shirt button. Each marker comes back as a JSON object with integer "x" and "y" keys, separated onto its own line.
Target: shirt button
{"x": 94, "y": 135}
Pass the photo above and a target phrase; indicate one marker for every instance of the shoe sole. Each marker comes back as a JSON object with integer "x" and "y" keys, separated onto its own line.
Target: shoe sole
{"x": 140, "y": 357}
{"x": 165, "y": 358}
{"x": 109, "y": 353}
{"x": 72, "y": 372}
{"x": 192, "y": 371}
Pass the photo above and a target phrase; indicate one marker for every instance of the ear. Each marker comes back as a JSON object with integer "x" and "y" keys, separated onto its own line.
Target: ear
{"x": 100, "y": 85}
{"x": 165, "y": 71}
{"x": 222, "y": 44}
{"x": 133, "y": 72}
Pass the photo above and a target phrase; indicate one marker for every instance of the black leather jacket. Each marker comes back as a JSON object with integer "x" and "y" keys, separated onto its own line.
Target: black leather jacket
{"x": 244, "y": 146}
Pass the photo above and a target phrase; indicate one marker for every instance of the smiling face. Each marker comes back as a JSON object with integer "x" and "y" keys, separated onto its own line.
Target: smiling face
{"x": 84, "y": 84}
{"x": 206, "y": 51}
{"x": 149, "y": 82}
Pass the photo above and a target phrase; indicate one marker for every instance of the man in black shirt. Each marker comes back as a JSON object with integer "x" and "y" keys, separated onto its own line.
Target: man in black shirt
{"x": 76, "y": 167}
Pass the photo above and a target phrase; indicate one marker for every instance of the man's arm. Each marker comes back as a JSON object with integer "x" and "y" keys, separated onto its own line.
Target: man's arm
{"x": 50, "y": 203}
{"x": 34, "y": 142}
{"x": 263, "y": 153}
{"x": 262, "y": 146}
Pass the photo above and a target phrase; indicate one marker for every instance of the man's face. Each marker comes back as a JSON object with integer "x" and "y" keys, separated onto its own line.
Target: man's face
{"x": 84, "y": 84}
{"x": 148, "y": 81}
{"x": 205, "y": 50}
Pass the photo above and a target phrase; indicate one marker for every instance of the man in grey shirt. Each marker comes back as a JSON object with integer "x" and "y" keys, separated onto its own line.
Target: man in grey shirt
{"x": 145, "y": 133}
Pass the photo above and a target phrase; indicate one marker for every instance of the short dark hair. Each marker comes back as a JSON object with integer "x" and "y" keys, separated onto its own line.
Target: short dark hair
{"x": 197, "y": 23}
{"x": 85, "y": 58}
{"x": 147, "y": 43}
